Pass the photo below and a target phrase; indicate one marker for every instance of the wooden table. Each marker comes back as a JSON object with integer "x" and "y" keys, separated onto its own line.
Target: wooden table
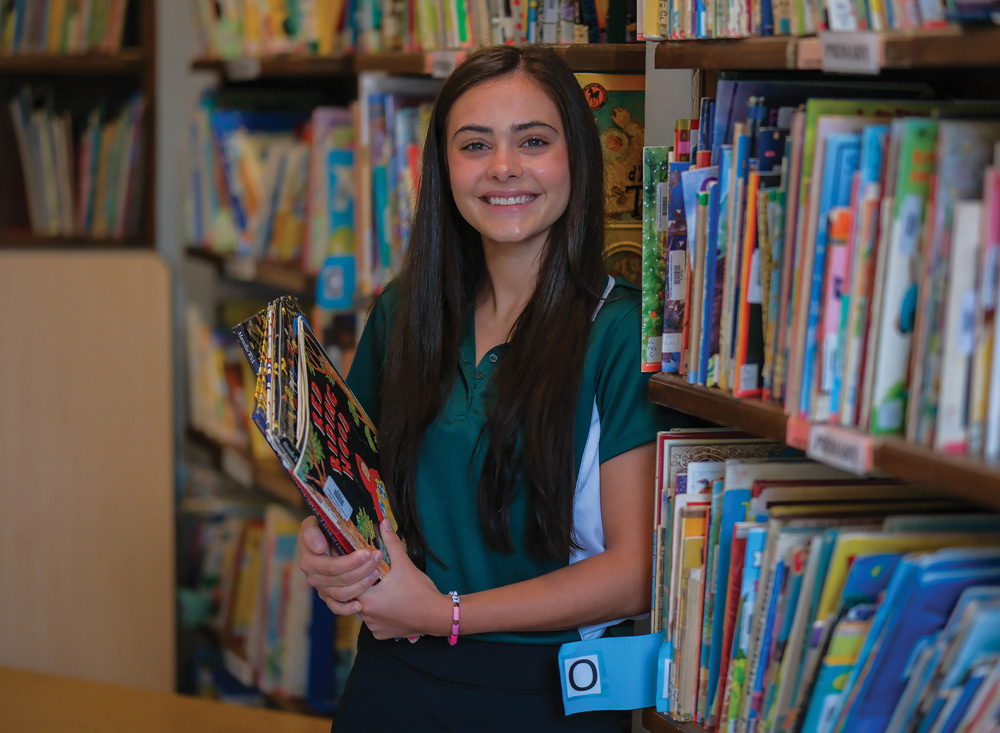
{"x": 39, "y": 703}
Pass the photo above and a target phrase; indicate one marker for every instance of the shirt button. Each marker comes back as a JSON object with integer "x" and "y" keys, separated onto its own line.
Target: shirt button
{"x": 493, "y": 358}
{"x": 479, "y": 375}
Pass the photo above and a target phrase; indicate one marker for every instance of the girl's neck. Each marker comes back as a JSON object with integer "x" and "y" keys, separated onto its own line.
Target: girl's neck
{"x": 511, "y": 282}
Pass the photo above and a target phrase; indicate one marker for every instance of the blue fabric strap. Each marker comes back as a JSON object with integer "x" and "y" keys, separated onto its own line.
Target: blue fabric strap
{"x": 610, "y": 673}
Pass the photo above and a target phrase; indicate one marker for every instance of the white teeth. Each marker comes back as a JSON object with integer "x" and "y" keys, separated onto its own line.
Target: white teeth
{"x": 507, "y": 200}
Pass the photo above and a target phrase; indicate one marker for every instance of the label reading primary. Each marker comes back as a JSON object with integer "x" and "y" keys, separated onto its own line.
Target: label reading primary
{"x": 861, "y": 52}
{"x": 840, "y": 448}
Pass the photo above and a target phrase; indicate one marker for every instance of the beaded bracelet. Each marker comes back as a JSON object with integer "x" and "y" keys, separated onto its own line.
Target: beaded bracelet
{"x": 453, "y": 639}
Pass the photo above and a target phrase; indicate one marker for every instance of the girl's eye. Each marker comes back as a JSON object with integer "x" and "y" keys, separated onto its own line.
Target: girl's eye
{"x": 534, "y": 142}
{"x": 474, "y": 147}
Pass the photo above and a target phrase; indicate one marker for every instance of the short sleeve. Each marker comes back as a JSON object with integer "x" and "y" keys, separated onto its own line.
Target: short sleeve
{"x": 628, "y": 418}
{"x": 368, "y": 364}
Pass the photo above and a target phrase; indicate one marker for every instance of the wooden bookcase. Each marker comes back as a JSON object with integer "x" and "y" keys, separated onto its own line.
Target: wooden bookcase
{"x": 78, "y": 81}
{"x": 965, "y": 61}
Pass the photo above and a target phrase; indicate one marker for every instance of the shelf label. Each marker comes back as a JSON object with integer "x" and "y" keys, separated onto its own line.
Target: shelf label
{"x": 243, "y": 69}
{"x": 841, "y": 448}
{"x": 861, "y": 52}
{"x": 235, "y": 465}
{"x": 240, "y": 268}
{"x": 440, "y": 64}
{"x": 797, "y": 433}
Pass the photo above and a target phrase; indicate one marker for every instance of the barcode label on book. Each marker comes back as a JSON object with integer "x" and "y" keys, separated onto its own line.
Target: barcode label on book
{"x": 988, "y": 291}
{"x": 672, "y": 343}
{"x": 967, "y": 328}
{"x": 754, "y": 292}
{"x": 335, "y": 495}
{"x": 748, "y": 377}
{"x": 910, "y": 212}
{"x": 243, "y": 69}
{"x": 676, "y": 271}
{"x": 662, "y": 206}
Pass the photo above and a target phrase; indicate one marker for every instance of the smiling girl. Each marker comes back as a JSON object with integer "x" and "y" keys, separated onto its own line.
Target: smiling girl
{"x": 514, "y": 427}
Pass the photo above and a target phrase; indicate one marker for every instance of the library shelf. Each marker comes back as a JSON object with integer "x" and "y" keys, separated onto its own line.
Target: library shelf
{"x": 236, "y": 462}
{"x": 659, "y": 723}
{"x": 27, "y": 240}
{"x": 247, "y": 68}
{"x": 612, "y": 58}
{"x": 127, "y": 62}
{"x": 285, "y": 277}
{"x": 971, "y": 478}
{"x": 924, "y": 49}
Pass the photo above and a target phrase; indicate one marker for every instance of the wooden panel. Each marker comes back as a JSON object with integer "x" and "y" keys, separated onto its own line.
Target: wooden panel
{"x": 45, "y": 703}
{"x": 86, "y": 466}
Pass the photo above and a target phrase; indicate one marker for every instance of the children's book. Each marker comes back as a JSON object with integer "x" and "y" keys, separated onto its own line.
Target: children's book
{"x": 655, "y": 193}
{"x": 675, "y": 244}
{"x": 987, "y": 279}
{"x": 854, "y": 326}
{"x": 331, "y": 448}
{"x": 964, "y": 149}
{"x": 951, "y": 433}
{"x": 711, "y": 298}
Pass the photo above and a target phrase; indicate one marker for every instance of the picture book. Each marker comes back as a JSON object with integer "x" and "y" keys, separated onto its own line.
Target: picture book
{"x": 327, "y": 443}
{"x": 951, "y": 433}
{"x": 986, "y": 294}
{"x": 655, "y": 192}
{"x": 711, "y": 298}
{"x": 854, "y": 327}
{"x": 678, "y": 269}
{"x": 917, "y": 139}
{"x": 964, "y": 149}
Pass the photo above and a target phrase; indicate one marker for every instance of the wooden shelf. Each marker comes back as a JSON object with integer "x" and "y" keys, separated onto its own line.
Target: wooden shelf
{"x": 658, "y": 723}
{"x": 128, "y": 62}
{"x": 244, "y": 69}
{"x": 237, "y": 463}
{"x": 287, "y": 278}
{"x": 968, "y": 477}
{"x": 620, "y": 58}
{"x": 26, "y": 240}
{"x": 939, "y": 48}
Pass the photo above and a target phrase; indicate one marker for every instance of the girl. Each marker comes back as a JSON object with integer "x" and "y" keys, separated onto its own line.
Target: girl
{"x": 501, "y": 369}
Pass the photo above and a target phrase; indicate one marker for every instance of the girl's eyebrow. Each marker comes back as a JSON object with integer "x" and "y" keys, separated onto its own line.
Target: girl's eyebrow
{"x": 519, "y": 127}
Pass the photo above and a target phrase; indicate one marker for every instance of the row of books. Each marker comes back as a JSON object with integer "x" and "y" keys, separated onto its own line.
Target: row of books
{"x": 794, "y": 597}
{"x": 277, "y": 636}
{"x": 836, "y": 251}
{"x": 83, "y": 181}
{"x": 301, "y": 186}
{"x": 251, "y": 28}
{"x": 62, "y": 26}
{"x": 692, "y": 19}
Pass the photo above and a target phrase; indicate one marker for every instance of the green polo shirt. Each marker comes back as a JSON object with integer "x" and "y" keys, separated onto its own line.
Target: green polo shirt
{"x": 448, "y": 473}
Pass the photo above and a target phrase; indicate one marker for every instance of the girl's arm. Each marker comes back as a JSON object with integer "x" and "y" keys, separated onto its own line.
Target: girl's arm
{"x": 609, "y": 585}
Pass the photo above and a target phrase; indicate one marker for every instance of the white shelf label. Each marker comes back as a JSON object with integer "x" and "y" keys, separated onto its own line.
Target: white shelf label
{"x": 243, "y": 69}
{"x": 841, "y": 448}
{"x": 440, "y": 64}
{"x": 860, "y": 52}
{"x": 235, "y": 465}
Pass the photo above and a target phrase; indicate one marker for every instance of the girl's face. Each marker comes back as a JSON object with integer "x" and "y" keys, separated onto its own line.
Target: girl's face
{"x": 508, "y": 161}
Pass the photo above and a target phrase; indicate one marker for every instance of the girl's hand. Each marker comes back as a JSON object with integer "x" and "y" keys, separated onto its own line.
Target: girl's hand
{"x": 405, "y": 602}
{"x": 339, "y": 579}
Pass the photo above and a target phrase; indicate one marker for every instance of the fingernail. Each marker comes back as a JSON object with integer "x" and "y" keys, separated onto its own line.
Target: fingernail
{"x": 373, "y": 576}
{"x": 357, "y": 608}
{"x": 366, "y": 555}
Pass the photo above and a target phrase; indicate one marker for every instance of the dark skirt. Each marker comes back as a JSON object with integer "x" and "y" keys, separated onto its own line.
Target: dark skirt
{"x": 472, "y": 687}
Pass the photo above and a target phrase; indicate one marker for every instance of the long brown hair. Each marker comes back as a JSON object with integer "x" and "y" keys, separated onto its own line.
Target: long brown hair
{"x": 531, "y": 413}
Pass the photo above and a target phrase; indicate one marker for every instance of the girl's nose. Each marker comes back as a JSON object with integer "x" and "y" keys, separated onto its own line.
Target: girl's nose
{"x": 504, "y": 164}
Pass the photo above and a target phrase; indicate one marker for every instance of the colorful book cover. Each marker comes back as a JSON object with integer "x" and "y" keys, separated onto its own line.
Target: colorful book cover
{"x": 844, "y": 398}
{"x": 711, "y": 294}
{"x": 917, "y": 141}
{"x": 988, "y": 277}
{"x": 964, "y": 149}
{"x": 951, "y": 433}
{"x": 675, "y": 230}
{"x": 655, "y": 178}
